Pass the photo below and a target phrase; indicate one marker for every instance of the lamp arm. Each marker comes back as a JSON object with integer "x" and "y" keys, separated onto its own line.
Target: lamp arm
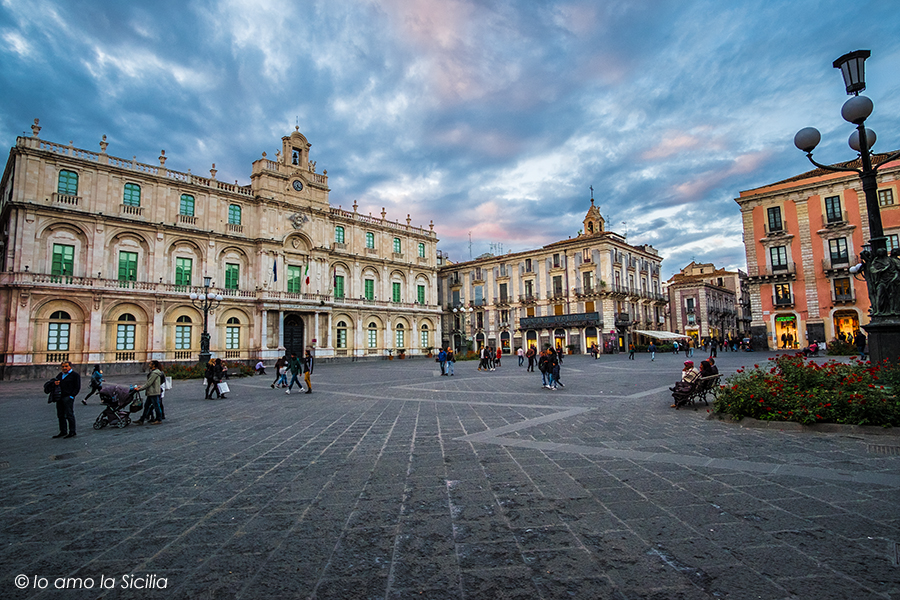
{"x": 830, "y": 167}
{"x": 893, "y": 156}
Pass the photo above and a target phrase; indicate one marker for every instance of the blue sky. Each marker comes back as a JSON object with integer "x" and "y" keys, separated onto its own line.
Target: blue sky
{"x": 493, "y": 118}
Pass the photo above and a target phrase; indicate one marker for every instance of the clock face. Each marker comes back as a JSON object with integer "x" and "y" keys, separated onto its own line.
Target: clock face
{"x": 298, "y": 185}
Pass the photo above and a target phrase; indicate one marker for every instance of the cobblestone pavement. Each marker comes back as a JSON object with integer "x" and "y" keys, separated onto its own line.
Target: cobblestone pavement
{"x": 392, "y": 482}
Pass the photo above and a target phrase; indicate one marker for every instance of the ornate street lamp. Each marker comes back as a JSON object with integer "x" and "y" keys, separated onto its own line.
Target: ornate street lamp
{"x": 466, "y": 314}
{"x": 206, "y": 302}
{"x": 878, "y": 268}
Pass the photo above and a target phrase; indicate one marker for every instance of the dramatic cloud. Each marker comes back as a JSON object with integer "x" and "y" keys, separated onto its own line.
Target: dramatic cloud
{"x": 490, "y": 119}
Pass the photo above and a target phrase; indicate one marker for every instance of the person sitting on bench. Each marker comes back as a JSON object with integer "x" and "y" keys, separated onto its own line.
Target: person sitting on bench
{"x": 811, "y": 350}
{"x": 682, "y": 389}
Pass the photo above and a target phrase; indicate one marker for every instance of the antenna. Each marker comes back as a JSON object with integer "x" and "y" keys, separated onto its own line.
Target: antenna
{"x": 470, "y": 245}
{"x": 625, "y": 225}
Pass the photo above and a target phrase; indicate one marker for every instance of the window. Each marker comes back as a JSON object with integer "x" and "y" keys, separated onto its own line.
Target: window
{"x": 529, "y": 288}
{"x": 504, "y": 295}
{"x": 341, "y": 341}
{"x": 420, "y": 294}
{"x": 233, "y": 334}
{"x": 370, "y": 240}
{"x": 556, "y": 261}
{"x": 424, "y": 339}
{"x": 421, "y": 250}
{"x": 132, "y": 195}
{"x": 67, "y": 184}
{"x": 557, "y": 285}
{"x": 294, "y": 279}
{"x": 778, "y": 256}
{"x": 232, "y": 276}
{"x": 183, "y": 268}
{"x": 395, "y": 291}
{"x": 182, "y": 333}
{"x": 588, "y": 280}
{"x": 892, "y": 241}
{"x": 128, "y": 266}
{"x": 63, "y": 259}
{"x": 690, "y": 305}
{"x": 885, "y": 197}
{"x": 833, "y": 209}
{"x": 479, "y": 320}
{"x": 528, "y": 265}
{"x": 338, "y": 286}
{"x": 234, "y": 214}
{"x": 842, "y": 288}
{"x": 186, "y": 206}
{"x": 58, "y": 334}
{"x": 782, "y": 293}
{"x": 398, "y": 248}
{"x": 838, "y": 249}
{"x": 586, "y": 255}
{"x": 400, "y": 335}
{"x": 372, "y": 335}
{"x": 478, "y": 299}
{"x": 774, "y": 215}
{"x": 125, "y": 332}
{"x": 338, "y": 235}
{"x": 369, "y": 289}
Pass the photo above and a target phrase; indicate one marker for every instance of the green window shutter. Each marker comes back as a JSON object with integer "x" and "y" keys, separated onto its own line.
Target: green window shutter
{"x": 370, "y": 289}
{"x": 232, "y": 276}
{"x": 63, "y": 260}
{"x": 128, "y": 266}
{"x": 186, "y": 207}
{"x": 183, "y": 268}
{"x": 338, "y": 286}
{"x": 396, "y": 291}
{"x": 397, "y": 247}
{"x": 422, "y": 250}
{"x": 339, "y": 234}
{"x": 420, "y": 294}
{"x": 295, "y": 279}
{"x": 132, "y": 195}
{"x": 67, "y": 183}
{"x": 232, "y": 338}
{"x": 234, "y": 214}
{"x": 182, "y": 337}
{"x": 370, "y": 239}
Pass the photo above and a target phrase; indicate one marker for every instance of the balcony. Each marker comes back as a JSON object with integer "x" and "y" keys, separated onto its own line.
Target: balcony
{"x": 527, "y": 299}
{"x": 132, "y": 211}
{"x": 837, "y": 263}
{"x": 66, "y": 199}
{"x": 187, "y": 220}
{"x": 783, "y": 271}
{"x": 778, "y": 229}
{"x": 833, "y": 220}
{"x": 235, "y": 228}
{"x": 843, "y": 298}
{"x": 502, "y": 301}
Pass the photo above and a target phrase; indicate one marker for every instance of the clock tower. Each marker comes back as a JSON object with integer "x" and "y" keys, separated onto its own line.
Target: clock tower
{"x": 292, "y": 177}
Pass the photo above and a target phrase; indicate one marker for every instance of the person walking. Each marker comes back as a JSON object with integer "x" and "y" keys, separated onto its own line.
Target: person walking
{"x": 68, "y": 384}
{"x": 450, "y": 360}
{"x": 307, "y": 371}
{"x": 630, "y": 351}
{"x": 552, "y": 366}
{"x": 442, "y": 359}
{"x": 690, "y": 347}
{"x": 295, "y": 367}
{"x": 713, "y": 347}
{"x": 520, "y": 352}
{"x": 152, "y": 389}
{"x": 96, "y": 383}
{"x": 652, "y": 350}
{"x": 281, "y": 362}
{"x": 860, "y": 342}
{"x": 499, "y": 355}
{"x": 210, "y": 376}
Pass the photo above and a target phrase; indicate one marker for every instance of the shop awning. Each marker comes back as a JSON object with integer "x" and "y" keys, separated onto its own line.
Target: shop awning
{"x": 660, "y": 335}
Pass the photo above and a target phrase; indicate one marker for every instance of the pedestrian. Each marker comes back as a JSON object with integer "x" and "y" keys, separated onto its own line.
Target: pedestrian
{"x": 530, "y": 354}
{"x": 152, "y": 389}
{"x": 307, "y": 371}
{"x": 551, "y": 366}
{"x": 520, "y": 352}
{"x": 555, "y": 369}
{"x": 499, "y": 355}
{"x": 860, "y": 342}
{"x": 630, "y": 351}
{"x": 451, "y": 358}
{"x": 210, "y": 376}
{"x": 559, "y": 353}
{"x": 96, "y": 383}
{"x": 442, "y": 359}
{"x": 260, "y": 368}
{"x": 675, "y": 347}
{"x": 543, "y": 367}
{"x": 295, "y": 366}
{"x": 279, "y": 364}
{"x": 691, "y": 346}
{"x": 67, "y": 384}
{"x": 652, "y": 350}
{"x": 713, "y": 346}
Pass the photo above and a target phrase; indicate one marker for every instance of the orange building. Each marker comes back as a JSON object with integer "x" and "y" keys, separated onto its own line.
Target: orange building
{"x": 801, "y": 236}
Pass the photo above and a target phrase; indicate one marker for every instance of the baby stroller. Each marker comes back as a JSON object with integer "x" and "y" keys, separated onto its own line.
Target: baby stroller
{"x": 119, "y": 402}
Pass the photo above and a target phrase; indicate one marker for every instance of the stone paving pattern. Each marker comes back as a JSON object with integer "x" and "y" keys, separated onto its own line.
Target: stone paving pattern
{"x": 392, "y": 482}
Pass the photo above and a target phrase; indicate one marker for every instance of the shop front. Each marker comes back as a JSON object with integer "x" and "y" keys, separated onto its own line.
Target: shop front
{"x": 786, "y": 332}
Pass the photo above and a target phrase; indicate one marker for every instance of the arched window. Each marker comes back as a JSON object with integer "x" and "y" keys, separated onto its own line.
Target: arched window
{"x": 233, "y": 334}
{"x": 125, "y": 332}
{"x": 58, "y": 334}
{"x": 372, "y": 335}
{"x": 234, "y": 214}
{"x": 341, "y": 341}
{"x": 67, "y": 184}
{"x": 424, "y": 341}
{"x": 400, "y": 336}
{"x": 132, "y": 195}
{"x": 339, "y": 235}
{"x": 183, "y": 333}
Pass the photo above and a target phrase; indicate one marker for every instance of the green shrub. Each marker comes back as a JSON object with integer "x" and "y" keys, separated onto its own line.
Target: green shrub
{"x": 794, "y": 389}
{"x": 839, "y": 348}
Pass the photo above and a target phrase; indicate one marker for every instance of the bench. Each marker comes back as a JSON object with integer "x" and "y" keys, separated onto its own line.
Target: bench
{"x": 702, "y": 387}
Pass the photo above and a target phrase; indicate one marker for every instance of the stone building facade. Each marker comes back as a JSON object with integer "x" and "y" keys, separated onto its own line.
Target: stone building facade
{"x": 101, "y": 253}
{"x": 706, "y": 302}
{"x": 801, "y": 236}
{"x": 593, "y": 288}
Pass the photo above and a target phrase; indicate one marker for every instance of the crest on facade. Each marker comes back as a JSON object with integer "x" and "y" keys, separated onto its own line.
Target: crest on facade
{"x": 298, "y": 219}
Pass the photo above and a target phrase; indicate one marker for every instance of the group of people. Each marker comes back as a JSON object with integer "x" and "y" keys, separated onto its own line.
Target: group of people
{"x": 295, "y": 366}
{"x": 446, "y": 359}
{"x": 690, "y": 376}
{"x": 489, "y": 358}
{"x": 549, "y": 363}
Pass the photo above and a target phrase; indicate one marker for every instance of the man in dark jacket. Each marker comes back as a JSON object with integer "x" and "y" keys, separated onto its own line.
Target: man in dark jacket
{"x": 69, "y": 383}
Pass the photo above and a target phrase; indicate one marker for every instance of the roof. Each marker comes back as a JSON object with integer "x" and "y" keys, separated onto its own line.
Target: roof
{"x": 877, "y": 159}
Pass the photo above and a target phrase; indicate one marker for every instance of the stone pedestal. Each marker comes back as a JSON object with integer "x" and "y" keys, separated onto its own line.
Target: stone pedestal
{"x": 883, "y": 335}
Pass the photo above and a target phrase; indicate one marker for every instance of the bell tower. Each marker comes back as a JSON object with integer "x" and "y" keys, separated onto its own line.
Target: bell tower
{"x": 295, "y": 151}
{"x": 593, "y": 221}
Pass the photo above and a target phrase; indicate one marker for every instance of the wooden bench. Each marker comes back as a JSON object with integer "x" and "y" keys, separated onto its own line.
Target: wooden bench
{"x": 702, "y": 387}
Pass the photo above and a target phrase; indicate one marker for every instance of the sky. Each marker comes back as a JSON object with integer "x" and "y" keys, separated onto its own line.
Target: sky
{"x": 492, "y": 119}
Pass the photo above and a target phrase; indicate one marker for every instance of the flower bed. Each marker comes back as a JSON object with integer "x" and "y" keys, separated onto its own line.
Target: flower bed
{"x": 794, "y": 389}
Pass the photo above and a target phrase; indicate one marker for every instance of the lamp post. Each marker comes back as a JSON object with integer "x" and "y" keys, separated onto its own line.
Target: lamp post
{"x": 465, "y": 312}
{"x": 877, "y": 267}
{"x": 206, "y": 302}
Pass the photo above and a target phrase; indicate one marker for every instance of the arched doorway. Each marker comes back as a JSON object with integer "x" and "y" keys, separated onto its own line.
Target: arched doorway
{"x": 531, "y": 340}
{"x": 504, "y": 341}
{"x": 293, "y": 334}
{"x": 846, "y": 324}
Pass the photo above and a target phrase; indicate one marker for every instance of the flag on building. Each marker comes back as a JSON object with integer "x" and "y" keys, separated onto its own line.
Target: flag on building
{"x": 275, "y": 268}
{"x": 306, "y": 273}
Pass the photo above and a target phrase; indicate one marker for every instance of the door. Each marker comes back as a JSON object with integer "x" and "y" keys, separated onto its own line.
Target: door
{"x": 293, "y": 335}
